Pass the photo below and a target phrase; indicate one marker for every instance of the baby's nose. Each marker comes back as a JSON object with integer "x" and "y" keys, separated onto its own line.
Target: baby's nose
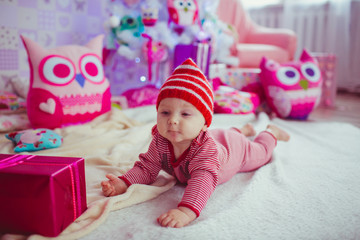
{"x": 173, "y": 119}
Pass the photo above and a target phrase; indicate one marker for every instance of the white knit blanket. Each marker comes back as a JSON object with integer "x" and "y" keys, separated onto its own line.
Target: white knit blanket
{"x": 310, "y": 189}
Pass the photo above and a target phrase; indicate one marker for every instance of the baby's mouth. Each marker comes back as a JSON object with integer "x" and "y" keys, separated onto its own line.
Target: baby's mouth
{"x": 173, "y": 132}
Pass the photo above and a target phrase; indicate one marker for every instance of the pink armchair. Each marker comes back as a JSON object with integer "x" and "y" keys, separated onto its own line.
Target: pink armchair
{"x": 255, "y": 41}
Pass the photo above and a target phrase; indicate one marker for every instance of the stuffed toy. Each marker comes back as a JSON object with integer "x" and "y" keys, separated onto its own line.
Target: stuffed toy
{"x": 125, "y": 34}
{"x": 292, "y": 89}
{"x": 67, "y": 84}
{"x": 183, "y": 21}
{"x": 183, "y": 12}
{"x": 150, "y": 13}
{"x": 34, "y": 140}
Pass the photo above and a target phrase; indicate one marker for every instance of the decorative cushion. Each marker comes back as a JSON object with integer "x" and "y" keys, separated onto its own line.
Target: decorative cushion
{"x": 137, "y": 97}
{"x": 292, "y": 89}
{"x": 232, "y": 101}
{"x": 67, "y": 84}
{"x": 34, "y": 140}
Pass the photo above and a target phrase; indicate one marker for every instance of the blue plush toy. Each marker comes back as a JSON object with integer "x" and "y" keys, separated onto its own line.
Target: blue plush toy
{"x": 34, "y": 139}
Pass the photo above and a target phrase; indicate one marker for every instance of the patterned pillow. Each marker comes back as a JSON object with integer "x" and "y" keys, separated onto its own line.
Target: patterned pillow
{"x": 34, "y": 140}
{"x": 232, "y": 101}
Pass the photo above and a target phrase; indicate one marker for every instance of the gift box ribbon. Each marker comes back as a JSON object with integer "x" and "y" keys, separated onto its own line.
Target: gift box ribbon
{"x": 14, "y": 160}
{"x": 17, "y": 159}
{"x": 202, "y": 56}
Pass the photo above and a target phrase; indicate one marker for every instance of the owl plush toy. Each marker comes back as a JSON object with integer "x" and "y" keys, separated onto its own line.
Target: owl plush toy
{"x": 150, "y": 13}
{"x": 183, "y": 12}
{"x": 292, "y": 89}
{"x": 67, "y": 84}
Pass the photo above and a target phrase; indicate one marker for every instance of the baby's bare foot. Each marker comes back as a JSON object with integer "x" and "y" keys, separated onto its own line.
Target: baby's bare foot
{"x": 280, "y": 134}
{"x": 248, "y": 130}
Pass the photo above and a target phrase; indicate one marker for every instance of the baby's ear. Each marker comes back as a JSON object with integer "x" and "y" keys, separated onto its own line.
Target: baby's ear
{"x": 205, "y": 127}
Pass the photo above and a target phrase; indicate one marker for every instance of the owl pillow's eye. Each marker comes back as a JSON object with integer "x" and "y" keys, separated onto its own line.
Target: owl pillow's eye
{"x": 179, "y": 4}
{"x": 56, "y": 70}
{"x": 91, "y": 67}
{"x": 191, "y": 5}
{"x": 288, "y": 75}
{"x": 311, "y": 71}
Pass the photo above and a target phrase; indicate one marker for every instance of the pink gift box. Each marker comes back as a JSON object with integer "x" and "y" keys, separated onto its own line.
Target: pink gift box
{"x": 40, "y": 194}
{"x": 327, "y": 64}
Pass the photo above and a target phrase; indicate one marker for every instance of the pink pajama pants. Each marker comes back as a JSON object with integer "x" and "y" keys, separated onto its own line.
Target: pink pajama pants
{"x": 238, "y": 154}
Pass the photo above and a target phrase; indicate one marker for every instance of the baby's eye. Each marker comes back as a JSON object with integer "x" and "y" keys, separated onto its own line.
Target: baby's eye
{"x": 165, "y": 113}
{"x": 186, "y": 114}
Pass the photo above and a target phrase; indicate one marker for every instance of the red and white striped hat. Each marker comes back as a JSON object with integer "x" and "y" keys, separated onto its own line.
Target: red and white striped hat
{"x": 188, "y": 83}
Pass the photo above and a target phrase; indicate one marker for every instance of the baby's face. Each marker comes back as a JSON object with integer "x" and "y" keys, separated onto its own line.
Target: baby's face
{"x": 179, "y": 121}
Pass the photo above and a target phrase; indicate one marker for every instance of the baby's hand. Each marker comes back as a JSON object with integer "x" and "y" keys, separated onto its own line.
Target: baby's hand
{"x": 114, "y": 186}
{"x": 177, "y": 218}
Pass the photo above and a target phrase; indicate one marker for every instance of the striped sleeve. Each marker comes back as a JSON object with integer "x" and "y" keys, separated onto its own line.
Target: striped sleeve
{"x": 146, "y": 170}
{"x": 204, "y": 170}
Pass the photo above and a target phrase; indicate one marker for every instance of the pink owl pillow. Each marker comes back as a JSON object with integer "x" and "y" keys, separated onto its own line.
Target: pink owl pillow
{"x": 67, "y": 84}
{"x": 292, "y": 89}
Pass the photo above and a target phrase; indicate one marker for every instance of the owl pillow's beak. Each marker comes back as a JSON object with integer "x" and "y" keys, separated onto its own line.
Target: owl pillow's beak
{"x": 80, "y": 79}
{"x": 304, "y": 84}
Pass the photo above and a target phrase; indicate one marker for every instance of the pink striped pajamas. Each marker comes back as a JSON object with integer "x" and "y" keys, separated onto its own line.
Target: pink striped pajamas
{"x": 212, "y": 158}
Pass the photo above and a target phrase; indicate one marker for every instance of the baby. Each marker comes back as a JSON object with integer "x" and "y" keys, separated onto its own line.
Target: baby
{"x": 183, "y": 146}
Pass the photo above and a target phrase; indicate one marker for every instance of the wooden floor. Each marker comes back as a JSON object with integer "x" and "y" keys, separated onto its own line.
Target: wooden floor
{"x": 346, "y": 109}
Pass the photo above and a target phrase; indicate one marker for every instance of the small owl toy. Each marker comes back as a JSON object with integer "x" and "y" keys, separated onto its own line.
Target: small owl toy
{"x": 183, "y": 12}
{"x": 292, "y": 89}
{"x": 67, "y": 84}
{"x": 149, "y": 14}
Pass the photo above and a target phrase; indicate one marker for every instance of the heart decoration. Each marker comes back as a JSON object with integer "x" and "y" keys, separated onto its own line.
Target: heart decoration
{"x": 49, "y": 106}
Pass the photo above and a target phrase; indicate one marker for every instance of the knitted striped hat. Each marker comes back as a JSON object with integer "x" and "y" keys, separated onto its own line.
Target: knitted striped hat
{"x": 188, "y": 83}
